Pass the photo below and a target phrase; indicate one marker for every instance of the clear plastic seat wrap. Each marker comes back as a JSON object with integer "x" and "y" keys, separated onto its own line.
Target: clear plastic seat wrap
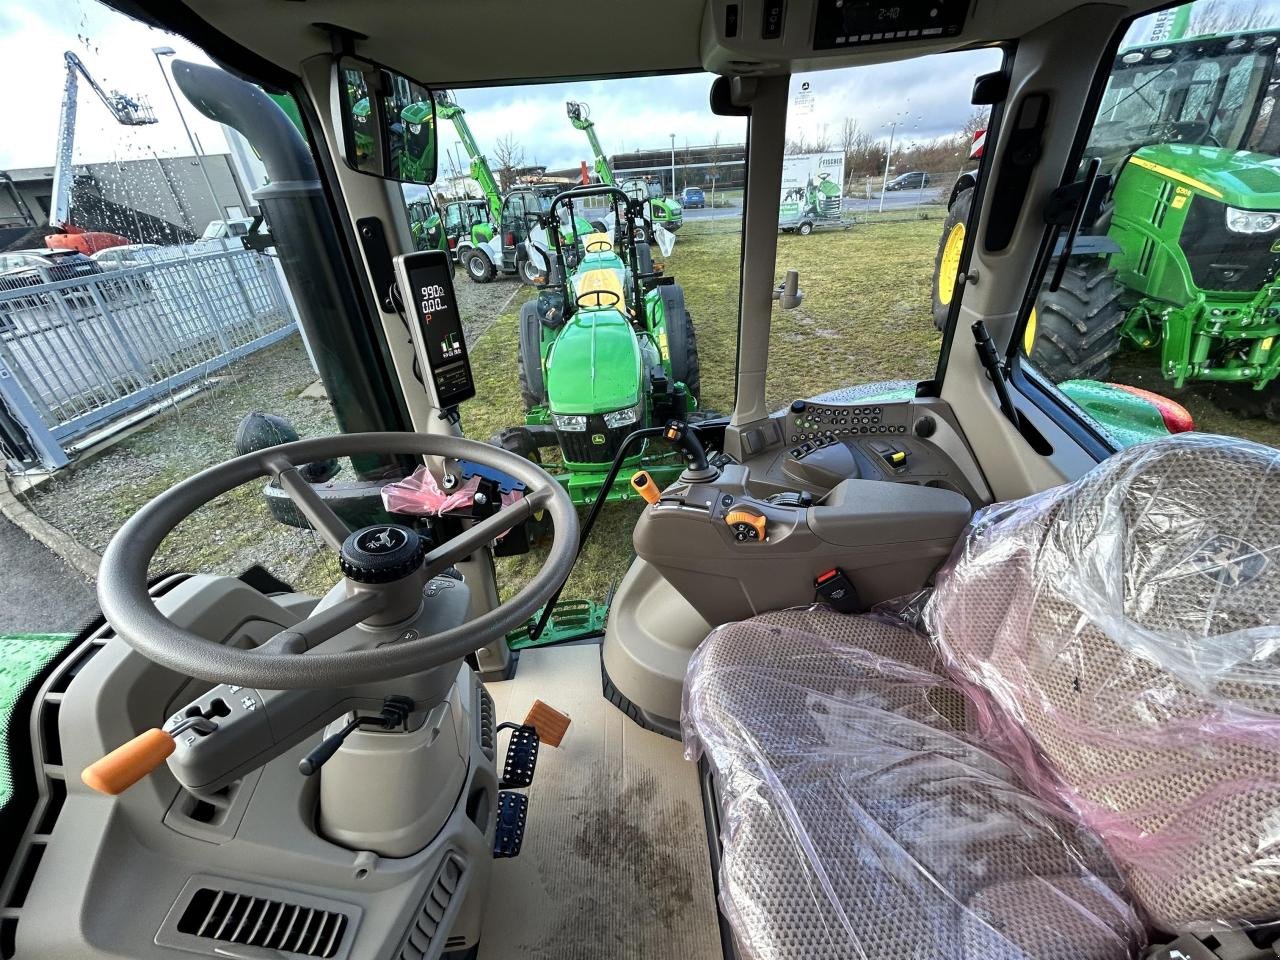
{"x": 861, "y": 820}
{"x": 1124, "y": 631}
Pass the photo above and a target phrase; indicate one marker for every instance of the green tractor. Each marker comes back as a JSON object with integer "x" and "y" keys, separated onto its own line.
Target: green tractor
{"x": 466, "y": 223}
{"x": 1184, "y": 252}
{"x": 606, "y": 348}
{"x": 665, "y": 211}
{"x": 425, "y": 224}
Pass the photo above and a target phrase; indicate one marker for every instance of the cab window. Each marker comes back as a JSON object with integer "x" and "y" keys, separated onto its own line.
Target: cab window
{"x": 875, "y": 199}
{"x": 1165, "y": 316}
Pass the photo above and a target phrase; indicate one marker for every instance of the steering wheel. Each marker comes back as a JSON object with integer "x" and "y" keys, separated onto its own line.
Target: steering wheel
{"x": 598, "y": 294}
{"x": 599, "y": 246}
{"x": 295, "y": 658}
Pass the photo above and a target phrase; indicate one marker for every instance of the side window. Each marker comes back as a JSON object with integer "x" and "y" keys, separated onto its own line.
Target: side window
{"x": 877, "y": 191}
{"x": 1166, "y": 314}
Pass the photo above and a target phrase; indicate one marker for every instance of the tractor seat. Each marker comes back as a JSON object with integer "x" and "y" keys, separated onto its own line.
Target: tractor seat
{"x": 1089, "y": 734}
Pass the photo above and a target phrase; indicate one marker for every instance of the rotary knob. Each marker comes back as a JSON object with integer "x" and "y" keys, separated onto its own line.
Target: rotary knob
{"x": 381, "y": 554}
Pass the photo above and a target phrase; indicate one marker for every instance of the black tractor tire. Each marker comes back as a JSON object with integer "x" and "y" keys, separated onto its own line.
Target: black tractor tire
{"x": 682, "y": 340}
{"x": 517, "y": 440}
{"x": 805, "y": 229}
{"x": 533, "y": 389}
{"x": 1246, "y": 403}
{"x": 1078, "y": 327}
{"x": 479, "y": 268}
{"x": 957, "y": 215}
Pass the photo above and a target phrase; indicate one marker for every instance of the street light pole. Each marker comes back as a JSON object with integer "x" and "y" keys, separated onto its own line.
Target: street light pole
{"x": 213, "y": 194}
{"x": 887, "y": 157}
{"x": 673, "y": 165}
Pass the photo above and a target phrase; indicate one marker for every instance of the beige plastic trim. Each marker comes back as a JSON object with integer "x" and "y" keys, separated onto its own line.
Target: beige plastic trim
{"x": 768, "y": 134}
{"x": 1060, "y": 59}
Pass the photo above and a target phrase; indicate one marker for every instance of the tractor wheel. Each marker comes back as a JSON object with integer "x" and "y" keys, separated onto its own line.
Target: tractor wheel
{"x": 1247, "y": 403}
{"x": 805, "y": 229}
{"x": 517, "y": 440}
{"x": 682, "y": 341}
{"x": 1077, "y": 329}
{"x": 529, "y": 273}
{"x": 533, "y": 389}
{"x": 479, "y": 268}
{"x": 947, "y": 264}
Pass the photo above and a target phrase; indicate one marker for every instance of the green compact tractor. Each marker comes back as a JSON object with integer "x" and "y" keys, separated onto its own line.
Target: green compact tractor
{"x": 1183, "y": 255}
{"x": 467, "y": 224}
{"x": 665, "y": 211}
{"x": 606, "y": 348}
{"x": 425, "y": 224}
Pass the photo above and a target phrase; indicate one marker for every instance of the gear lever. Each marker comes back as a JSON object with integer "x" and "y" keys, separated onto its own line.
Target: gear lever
{"x": 395, "y": 711}
{"x": 684, "y": 439}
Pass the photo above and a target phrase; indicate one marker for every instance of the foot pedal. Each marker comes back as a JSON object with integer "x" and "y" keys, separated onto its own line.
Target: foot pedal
{"x": 513, "y": 811}
{"x": 522, "y": 757}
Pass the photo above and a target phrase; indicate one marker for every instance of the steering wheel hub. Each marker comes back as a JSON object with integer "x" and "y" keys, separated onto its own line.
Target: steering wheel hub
{"x": 382, "y": 553}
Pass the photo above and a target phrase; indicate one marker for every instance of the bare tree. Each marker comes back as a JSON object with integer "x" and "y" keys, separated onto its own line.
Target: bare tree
{"x": 713, "y": 171}
{"x": 510, "y": 157}
{"x": 1218, "y": 17}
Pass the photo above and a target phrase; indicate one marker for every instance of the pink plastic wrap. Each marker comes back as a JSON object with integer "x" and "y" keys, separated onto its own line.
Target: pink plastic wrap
{"x": 419, "y": 495}
{"x": 861, "y": 819}
{"x": 1123, "y": 635}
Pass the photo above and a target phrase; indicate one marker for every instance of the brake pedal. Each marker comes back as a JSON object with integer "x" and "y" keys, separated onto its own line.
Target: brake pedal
{"x": 513, "y": 813}
{"x": 522, "y": 756}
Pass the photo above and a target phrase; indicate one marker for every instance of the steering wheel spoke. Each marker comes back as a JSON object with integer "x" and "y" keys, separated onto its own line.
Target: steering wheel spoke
{"x": 312, "y": 506}
{"x": 475, "y": 537}
{"x": 322, "y": 626}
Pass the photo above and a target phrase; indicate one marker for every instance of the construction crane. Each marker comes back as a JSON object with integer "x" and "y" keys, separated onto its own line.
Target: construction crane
{"x": 129, "y": 111}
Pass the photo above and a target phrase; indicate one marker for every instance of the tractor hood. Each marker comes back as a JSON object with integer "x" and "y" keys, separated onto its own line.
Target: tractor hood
{"x": 1238, "y": 178}
{"x": 594, "y": 365}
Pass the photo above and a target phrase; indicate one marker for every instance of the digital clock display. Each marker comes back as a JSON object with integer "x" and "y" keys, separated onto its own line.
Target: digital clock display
{"x": 440, "y": 333}
{"x": 844, "y": 23}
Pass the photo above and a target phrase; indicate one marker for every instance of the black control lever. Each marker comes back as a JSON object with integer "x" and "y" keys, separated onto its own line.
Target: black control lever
{"x": 990, "y": 360}
{"x": 395, "y": 711}
{"x": 684, "y": 439}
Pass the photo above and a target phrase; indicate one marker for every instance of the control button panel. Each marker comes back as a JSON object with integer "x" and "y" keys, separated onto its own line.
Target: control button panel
{"x": 811, "y": 426}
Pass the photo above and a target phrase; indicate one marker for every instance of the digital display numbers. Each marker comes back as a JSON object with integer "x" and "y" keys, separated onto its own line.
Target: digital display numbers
{"x": 844, "y": 23}
{"x": 440, "y": 334}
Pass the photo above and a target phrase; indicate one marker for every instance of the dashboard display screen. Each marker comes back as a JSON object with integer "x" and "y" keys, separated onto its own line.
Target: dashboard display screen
{"x": 439, "y": 326}
{"x": 844, "y": 23}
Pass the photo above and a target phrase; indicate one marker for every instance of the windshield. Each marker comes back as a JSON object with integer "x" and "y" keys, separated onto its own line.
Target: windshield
{"x": 1179, "y": 92}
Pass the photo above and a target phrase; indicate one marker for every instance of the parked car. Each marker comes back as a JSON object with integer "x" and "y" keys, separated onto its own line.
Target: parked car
{"x": 693, "y": 197}
{"x": 129, "y": 255}
{"x": 34, "y": 267}
{"x": 912, "y": 180}
{"x": 226, "y": 229}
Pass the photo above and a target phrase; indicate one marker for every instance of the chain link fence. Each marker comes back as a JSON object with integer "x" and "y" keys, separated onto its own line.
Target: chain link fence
{"x": 79, "y": 354}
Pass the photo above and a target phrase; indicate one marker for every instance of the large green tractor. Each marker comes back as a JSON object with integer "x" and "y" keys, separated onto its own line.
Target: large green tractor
{"x": 666, "y": 211}
{"x": 1183, "y": 255}
{"x": 607, "y": 347}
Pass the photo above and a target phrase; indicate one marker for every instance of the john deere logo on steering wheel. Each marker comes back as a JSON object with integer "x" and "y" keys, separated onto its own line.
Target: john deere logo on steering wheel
{"x": 381, "y": 540}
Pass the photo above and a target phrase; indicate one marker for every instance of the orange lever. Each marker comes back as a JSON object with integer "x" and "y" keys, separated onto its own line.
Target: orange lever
{"x": 643, "y": 484}
{"x": 128, "y": 763}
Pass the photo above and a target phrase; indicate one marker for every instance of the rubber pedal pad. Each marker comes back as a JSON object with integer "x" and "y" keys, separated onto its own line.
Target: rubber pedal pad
{"x": 522, "y": 758}
{"x": 513, "y": 815}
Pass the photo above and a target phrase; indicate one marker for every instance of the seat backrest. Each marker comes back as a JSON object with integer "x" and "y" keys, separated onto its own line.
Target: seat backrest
{"x": 1125, "y": 632}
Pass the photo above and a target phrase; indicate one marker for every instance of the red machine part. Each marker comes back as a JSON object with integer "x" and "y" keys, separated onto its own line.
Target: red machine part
{"x": 1176, "y": 417}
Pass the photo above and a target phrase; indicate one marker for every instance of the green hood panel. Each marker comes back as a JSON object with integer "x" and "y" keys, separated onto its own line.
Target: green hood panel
{"x": 594, "y": 365}
{"x": 1235, "y": 177}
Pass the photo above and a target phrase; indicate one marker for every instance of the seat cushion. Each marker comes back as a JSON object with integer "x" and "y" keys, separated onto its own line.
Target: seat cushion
{"x": 1126, "y": 628}
{"x": 861, "y": 820}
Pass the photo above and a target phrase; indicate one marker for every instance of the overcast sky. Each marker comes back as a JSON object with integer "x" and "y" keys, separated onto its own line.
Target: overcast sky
{"x": 927, "y": 98}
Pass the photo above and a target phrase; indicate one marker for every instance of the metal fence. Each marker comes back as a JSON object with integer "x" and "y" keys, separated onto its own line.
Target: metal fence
{"x": 76, "y": 354}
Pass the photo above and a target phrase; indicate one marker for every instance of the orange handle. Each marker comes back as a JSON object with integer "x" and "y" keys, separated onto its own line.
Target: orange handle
{"x": 643, "y": 484}
{"x": 127, "y": 764}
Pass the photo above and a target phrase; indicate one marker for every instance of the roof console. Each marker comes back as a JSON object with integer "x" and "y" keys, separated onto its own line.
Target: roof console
{"x": 855, "y": 23}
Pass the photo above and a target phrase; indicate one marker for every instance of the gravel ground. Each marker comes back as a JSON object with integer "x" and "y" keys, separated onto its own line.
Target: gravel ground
{"x": 235, "y": 530}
